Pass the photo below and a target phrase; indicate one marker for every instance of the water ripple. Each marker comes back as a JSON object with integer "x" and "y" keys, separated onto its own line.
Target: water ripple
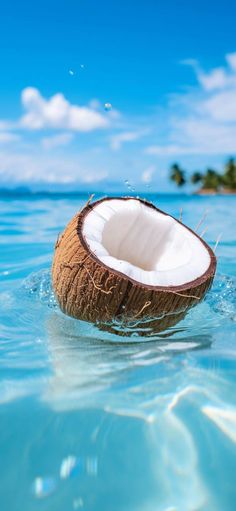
{"x": 88, "y": 417}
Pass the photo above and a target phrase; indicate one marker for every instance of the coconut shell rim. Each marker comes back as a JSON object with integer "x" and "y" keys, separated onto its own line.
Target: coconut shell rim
{"x": 209, "y": 273}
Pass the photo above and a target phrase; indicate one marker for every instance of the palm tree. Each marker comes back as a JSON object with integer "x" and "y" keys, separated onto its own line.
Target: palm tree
{"x": 177, "y": 175}
{"x": 229, "y": 177}
{"x": 211, "y": 179}
{"x": 196, "y": 177}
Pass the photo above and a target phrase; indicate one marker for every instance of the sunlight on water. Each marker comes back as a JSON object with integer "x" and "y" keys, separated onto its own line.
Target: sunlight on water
{"x": 94, "y": 419}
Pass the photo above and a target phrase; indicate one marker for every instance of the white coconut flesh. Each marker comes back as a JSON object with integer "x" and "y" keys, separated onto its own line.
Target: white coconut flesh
{"x": 144, "y": 244}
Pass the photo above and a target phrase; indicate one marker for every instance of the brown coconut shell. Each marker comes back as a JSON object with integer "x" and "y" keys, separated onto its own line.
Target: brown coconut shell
{"x": 89, "y": 290}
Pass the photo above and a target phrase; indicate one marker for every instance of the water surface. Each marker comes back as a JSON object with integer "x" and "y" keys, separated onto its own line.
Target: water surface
{"x": 94, "y": 421}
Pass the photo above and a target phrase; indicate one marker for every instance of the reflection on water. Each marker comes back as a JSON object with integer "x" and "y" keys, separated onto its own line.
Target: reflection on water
{"x": 87, "y": 371}
{"x": 91, "y": 420}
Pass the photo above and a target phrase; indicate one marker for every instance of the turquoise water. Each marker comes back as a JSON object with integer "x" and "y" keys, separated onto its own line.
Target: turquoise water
{"x": 98, "y": 422}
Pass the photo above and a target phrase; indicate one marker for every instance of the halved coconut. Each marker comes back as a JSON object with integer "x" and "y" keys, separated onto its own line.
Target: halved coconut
{"x": 123, "y": 257}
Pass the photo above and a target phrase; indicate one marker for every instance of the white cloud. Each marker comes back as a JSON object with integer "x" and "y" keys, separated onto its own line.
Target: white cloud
{"x": 16, "y": 167}
{"x": 58, "y": 113}
{"x": 222, "y": 106}
{"x": 95, "y": 104}
{"x": 231, "y": 59}
{"x": 202, "y": 121}
{"x": 116, "y": 141}
{"x": 62, "y": 139}
{"x": 94, "y": 177}
{"x": 7, "y": 137}
{"x": 204, "y": 136}
{"x": 147, "y": 174}
{"x": 216, "y": 78}
{"x": 6, "y": 125}
{"x": 27, "y": 163}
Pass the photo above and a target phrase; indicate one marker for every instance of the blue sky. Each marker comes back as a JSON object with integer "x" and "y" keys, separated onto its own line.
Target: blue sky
{"x": 167, "y": 67}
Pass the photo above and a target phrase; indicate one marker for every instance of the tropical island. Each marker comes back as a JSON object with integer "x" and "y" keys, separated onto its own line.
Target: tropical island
{"x": 210, "y": 181}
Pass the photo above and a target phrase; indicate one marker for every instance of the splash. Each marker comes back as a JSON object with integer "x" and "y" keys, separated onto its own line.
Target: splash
{"x": 219, "y": 305}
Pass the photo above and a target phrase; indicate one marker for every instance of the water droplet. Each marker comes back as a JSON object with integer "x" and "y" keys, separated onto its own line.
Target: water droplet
{"x": 107, "y": 106}
{"x": 43, "y": 486}
{"x": 70, "y": 466}
{"x": 39, "y": 285}
{"x": 71, "y": 72}
{"x": 129, "y": 186}
{"x": 82, "y": 66}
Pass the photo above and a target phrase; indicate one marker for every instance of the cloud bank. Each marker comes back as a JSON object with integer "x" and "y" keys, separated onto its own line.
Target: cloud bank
{"x": 202, "y": 121}
{"x": 58, "y": 113}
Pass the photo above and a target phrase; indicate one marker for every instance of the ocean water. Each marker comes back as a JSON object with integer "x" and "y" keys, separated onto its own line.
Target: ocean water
{"x": 93, "y": 421}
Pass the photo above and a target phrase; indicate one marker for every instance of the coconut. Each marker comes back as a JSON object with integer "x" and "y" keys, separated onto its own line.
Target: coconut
{"x": 124, "y": 258}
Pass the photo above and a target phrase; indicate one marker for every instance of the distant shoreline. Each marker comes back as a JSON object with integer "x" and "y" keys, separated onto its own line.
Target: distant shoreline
{"x": 21, "y": 193}
{"x": 210, "y": 191}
